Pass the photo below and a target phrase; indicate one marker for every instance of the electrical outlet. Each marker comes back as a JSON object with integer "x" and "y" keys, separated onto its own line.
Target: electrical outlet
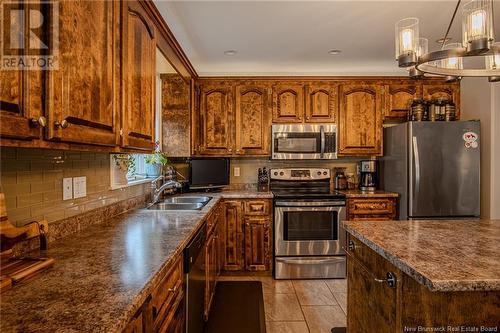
{"x": 67, "y": 188}
{"x": 79, "y": 187}
{"x": 236, "y": 171}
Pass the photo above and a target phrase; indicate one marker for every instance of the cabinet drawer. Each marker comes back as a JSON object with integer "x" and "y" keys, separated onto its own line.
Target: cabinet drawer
{"x": 371, "y": 206}
{"x": 167, "y": 294}
{"x": 257, "y": 207}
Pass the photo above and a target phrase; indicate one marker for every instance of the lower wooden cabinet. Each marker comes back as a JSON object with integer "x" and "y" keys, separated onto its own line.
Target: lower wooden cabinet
{"x": 247, "y": 234}
{"x": 211, "y": 254}
{"x": 382, "y": 209}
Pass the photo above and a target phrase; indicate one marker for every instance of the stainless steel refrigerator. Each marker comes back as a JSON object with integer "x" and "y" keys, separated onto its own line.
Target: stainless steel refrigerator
{"x": 434, "y": 166}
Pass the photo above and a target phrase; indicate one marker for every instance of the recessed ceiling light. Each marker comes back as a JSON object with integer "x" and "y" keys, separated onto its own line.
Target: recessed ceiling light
{"x": 441, "y": 40}
{"x": 334, "y": 52}
{"x": 230, "y": 52}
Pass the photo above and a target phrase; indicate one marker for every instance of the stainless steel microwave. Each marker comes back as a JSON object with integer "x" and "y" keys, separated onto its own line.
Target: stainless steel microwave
{"x": 304, "y": 141}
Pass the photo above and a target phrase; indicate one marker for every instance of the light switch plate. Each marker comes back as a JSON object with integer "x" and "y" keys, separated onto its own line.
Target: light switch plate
{"x": 79, "y": 187}
{"x": 236, "y": 171}
{"x": 67, "y": 188}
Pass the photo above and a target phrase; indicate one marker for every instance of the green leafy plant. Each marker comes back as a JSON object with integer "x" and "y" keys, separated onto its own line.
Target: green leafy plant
{"x": 157, "y": 158}
{"x": 125, "y": 162}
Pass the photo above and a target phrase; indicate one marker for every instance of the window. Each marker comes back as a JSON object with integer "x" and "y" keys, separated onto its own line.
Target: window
{"x": 129, "y": 169}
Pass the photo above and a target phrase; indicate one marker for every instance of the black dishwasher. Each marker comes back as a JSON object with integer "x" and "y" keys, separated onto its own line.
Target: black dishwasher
{"x": 194, "y": 268}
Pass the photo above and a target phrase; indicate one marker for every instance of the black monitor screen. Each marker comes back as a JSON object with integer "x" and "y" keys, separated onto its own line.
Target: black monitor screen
{"x": 209, "y": 172}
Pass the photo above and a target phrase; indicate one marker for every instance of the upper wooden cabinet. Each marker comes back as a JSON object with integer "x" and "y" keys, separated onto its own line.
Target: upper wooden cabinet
{"x": 360, "y": 127}
{"x": 252, "y": 120}
{"x": 215, "y": 130}
{"x": 398, "y": 97}
{"x": 321, "y": 103}
{"x": 450, "y": 91}
{"x": 138, "y": 61}
{"x": 288, "y": 103}
{"x": 81, "y": 96}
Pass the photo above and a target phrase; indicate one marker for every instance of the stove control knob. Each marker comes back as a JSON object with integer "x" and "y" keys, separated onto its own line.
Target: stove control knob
{"x": 282, "y": 173}
{"x": 275, "y": 173}
{"x": 325, "y": 173}
{"x": 319, "y": 173}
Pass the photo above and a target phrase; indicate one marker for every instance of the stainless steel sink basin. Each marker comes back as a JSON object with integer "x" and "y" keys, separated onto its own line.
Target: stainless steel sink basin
{"x": 182, "y": 203}
{"x": 177, "y": 206}
{"x": 188, "y": 200}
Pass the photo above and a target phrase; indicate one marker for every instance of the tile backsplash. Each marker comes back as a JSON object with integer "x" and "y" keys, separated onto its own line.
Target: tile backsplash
{"x": 32, "y": 182}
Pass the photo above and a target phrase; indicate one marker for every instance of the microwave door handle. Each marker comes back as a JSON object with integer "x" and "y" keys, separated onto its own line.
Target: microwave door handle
{"x": 322, "y": 135}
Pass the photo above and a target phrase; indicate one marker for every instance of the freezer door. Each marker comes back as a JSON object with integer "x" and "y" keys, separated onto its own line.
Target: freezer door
{"x": 444, "y": 162}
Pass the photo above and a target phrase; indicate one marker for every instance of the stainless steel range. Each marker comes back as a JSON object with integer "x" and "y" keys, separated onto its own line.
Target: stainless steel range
{"x": 308, "y": 236}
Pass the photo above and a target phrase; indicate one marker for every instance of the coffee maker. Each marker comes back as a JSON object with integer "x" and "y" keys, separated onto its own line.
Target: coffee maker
{"x": 368, "y": 175}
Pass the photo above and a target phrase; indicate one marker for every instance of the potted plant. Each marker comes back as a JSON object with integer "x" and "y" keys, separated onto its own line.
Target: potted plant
{"x": 125, "y": 164}
{"x": 155, "y": 162}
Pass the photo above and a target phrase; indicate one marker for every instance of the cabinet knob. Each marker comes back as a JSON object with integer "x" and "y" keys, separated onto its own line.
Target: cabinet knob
{"x": 230, "y": 150}
{"x": 40, "y": 121}
{"x": 172, "y": 290}
{"x": 307, "y": 118}
{"x": 63, "y": 124}
{"x": 352, "y": 245}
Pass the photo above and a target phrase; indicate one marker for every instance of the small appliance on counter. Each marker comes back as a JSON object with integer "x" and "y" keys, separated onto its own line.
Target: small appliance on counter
{"x": 368, "y": 174}
{"x": 340, "y": 180}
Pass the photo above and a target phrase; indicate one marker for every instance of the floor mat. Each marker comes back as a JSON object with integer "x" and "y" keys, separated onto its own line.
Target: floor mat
{"x": 238, "y": 307}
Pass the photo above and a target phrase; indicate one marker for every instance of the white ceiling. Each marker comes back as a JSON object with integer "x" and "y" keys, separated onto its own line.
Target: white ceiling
{"x": 294, "y": 37}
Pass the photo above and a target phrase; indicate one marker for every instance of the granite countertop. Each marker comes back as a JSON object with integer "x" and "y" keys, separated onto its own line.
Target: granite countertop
{"x": 366, "y": 194}
{"x": 454, "y": 255}
{"x": 103, "y": 274}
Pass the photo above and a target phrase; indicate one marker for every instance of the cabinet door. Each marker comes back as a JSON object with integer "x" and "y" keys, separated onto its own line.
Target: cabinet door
{"x": 257, "y": 243}
{"x": 360, "y": 125}
{"x": 210, "y": 272}
{"x": 81, "y": 96}
{"x": 219, "y": 229}
{"x": 215, "y": 130}
{"x": 252, "y": 120}
{"x": 398, "y": 98}
{"x": 288, "y": 103}
{"x": 139, "y": 50}
{"x": 450, "y": 91}
{"x": 233, "y": 258}
{"x": 321, "y": 103}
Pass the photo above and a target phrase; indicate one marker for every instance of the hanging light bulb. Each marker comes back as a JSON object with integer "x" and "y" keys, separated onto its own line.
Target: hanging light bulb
{"x": 422, "y": 48}
{"x": 493, "y": 62}
{"x": 407, "y": 35}
{"x": 477, "y": 26}
{"x": 452, "y": 62}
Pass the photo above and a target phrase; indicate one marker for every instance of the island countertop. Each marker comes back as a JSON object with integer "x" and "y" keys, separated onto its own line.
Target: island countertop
{"x": 103, "y": 274}
{"x": 451, "y": 255}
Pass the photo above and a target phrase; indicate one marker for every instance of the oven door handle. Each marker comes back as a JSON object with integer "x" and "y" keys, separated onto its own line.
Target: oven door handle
{"x": 315, "y": 261}
{"x": 339, "y": 203}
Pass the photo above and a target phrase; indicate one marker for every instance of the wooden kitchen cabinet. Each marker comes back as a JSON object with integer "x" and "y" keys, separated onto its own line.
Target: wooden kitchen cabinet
{"x": 360, "y": 115}
{"x": 233, "y": 220}
{"x": 81, "y": 95}
{"x": 398, "y": 98}
{"x": 450, "y": 91}
{"x": 371, "y": 209}
{"x": 288, "y": 103}
{"x": 138, "y": 61}
{"x": 321, "y": 103}
{"x": 257, "y": 243}
{"x": 252, "y": 120}
{"x": 141, "y": 321}
{"x": 214, "y": 120}
{"x": 211, "y": 262}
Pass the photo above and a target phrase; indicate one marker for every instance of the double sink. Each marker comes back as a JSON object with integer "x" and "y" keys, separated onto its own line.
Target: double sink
{"x": 182, "y": 203}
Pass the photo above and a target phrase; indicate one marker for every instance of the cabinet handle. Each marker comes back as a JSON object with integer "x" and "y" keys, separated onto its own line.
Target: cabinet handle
{"x": 390, "y": 278}
{"x": 230, "y": 150}
{"x": 352, "y": 245}
{"x": 247, "y": 224}
{"x": 307, "y": 118}
{"x": 63, "y": 124}
{"x": 172, "y": 290}
{"x": 40, "y": 121}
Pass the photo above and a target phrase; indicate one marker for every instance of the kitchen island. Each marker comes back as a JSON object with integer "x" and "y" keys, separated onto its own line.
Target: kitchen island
{"x": 423, "y": 276}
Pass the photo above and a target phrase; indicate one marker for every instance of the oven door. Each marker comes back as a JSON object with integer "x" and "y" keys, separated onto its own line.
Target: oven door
{"x": 306, "y": 228}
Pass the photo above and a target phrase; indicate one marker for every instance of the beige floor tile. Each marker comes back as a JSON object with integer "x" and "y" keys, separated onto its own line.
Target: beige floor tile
{"x": 321, "y": 319}
{"x": 313, "y": 292}
{"x": 286, "y": 327}
{"x": 337, "y": 285}
{"x": 237, "y": 278}
{"x": 282, "y": 307}
{"x": 342, "y": 300}
{"x": 270, "y": 285}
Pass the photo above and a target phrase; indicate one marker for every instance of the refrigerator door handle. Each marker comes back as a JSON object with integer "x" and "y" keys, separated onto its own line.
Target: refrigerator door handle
{"x": 416, "y": 189}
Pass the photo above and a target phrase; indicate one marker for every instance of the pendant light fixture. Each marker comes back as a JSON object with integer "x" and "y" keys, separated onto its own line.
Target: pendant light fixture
{"x": 477, "y": 41}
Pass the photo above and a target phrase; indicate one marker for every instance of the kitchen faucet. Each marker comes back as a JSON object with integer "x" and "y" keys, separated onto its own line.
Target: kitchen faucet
{"x": 158, "y": 191}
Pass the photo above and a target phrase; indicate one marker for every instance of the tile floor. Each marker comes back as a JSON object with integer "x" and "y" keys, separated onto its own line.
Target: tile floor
{"x": 302, "y": 306}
